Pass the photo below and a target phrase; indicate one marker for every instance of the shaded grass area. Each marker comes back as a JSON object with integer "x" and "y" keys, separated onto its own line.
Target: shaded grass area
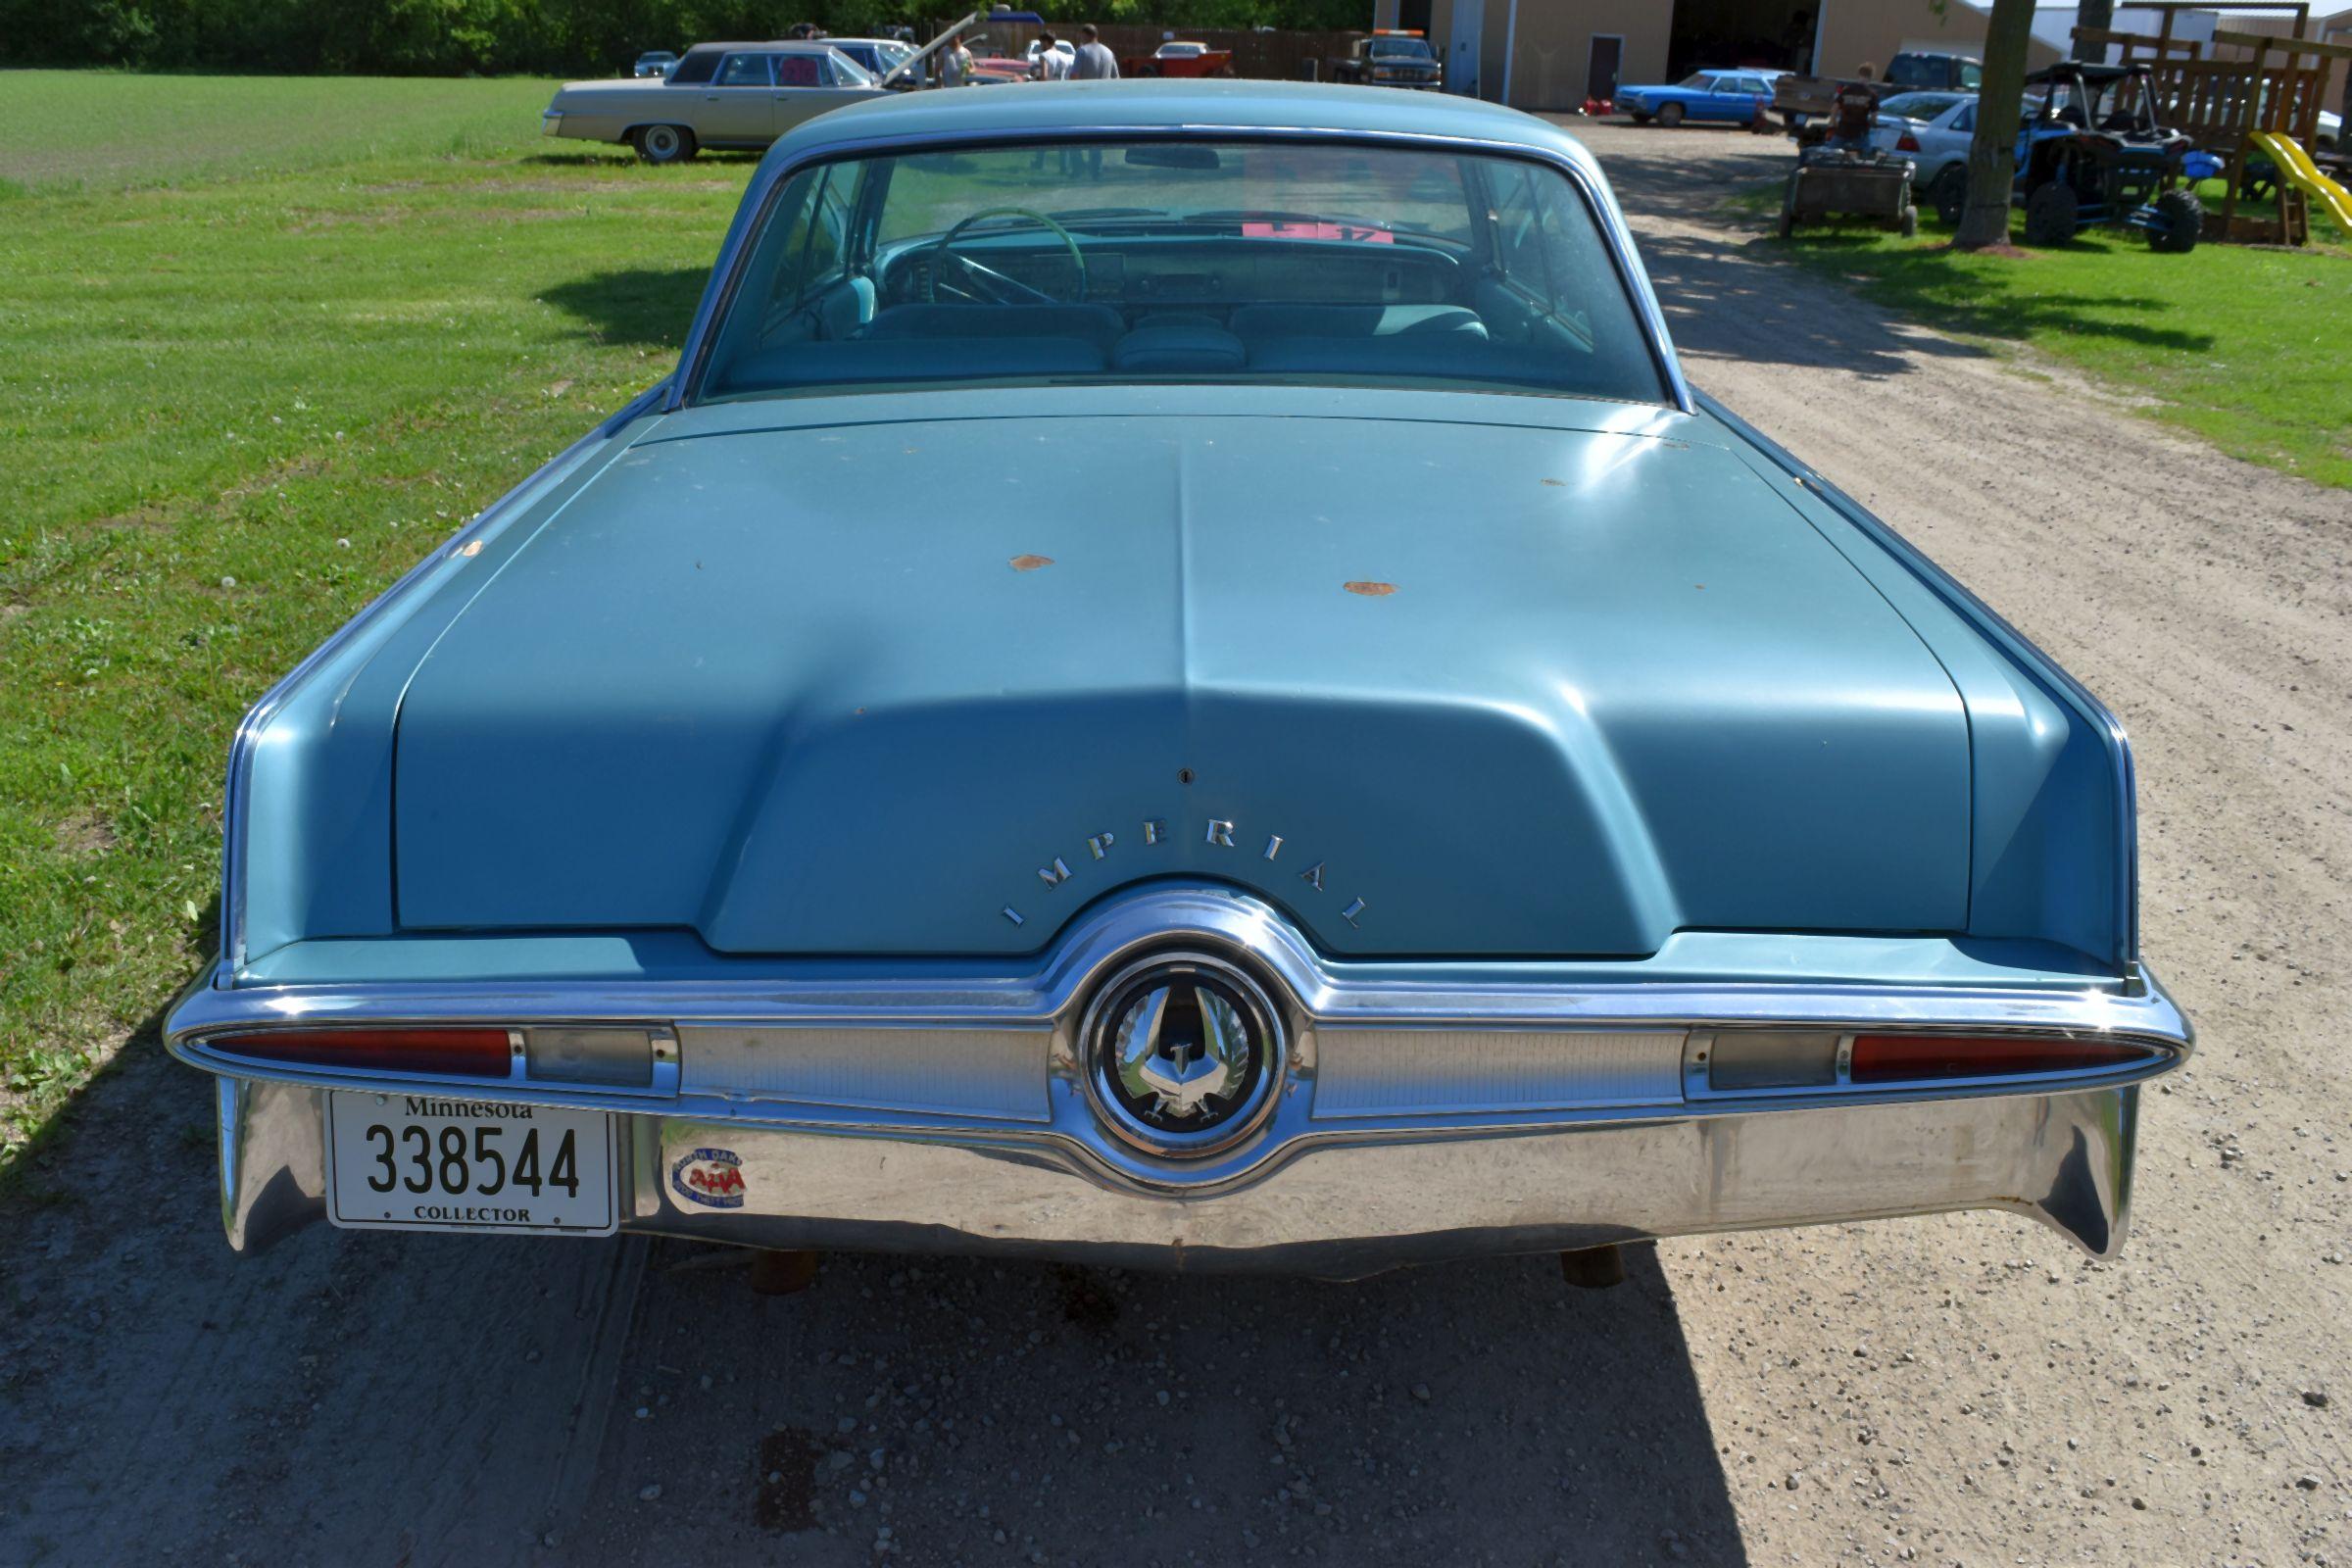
{"x": 107, "y": 131}
{"x": 236, "y": 409}
{"x": 2249, "y": 347}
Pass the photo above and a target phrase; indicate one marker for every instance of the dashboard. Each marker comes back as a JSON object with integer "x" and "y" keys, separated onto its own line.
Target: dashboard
{"x": 1195, "y": 273}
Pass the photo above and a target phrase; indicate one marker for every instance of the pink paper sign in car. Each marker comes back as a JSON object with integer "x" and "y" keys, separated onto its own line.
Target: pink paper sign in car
{"x": 1360, "y": 233}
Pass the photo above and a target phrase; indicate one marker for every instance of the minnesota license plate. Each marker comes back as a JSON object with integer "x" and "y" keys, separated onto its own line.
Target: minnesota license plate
{"x": 438, "y": 1162}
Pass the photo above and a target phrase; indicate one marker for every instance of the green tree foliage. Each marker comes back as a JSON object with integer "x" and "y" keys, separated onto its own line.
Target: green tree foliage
{"x": 550, "y": 37}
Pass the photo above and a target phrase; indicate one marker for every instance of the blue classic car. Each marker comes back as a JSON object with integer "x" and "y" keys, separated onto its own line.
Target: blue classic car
{"x": 1736, "y": 96}
{"x": 1161, "y": 687}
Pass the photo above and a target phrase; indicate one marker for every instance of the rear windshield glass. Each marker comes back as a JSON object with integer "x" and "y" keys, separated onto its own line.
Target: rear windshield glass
{"x": 848, "y": 73}
{"x": 1916, "y": 104}
{"x": 1181, "y": 260}
{"x": 697, "y": 66}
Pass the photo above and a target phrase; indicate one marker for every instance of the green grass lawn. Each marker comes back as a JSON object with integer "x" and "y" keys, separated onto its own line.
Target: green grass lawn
{"x": 105, "y": 130}
{"x": 233, "y": 410}
{"x": 2249, "y": 347}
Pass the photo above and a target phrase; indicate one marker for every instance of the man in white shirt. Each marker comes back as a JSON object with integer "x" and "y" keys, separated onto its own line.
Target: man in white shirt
{"x": 1051, "y": 64}
{"x": 1094, "y": 61}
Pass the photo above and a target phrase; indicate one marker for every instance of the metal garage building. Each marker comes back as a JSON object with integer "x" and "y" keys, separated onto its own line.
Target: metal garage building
{"x": 1554, "y": 54}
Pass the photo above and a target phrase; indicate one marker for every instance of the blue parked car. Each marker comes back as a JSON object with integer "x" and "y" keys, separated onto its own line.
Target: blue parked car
{"x": 1735, "y": 96}
{"x": 1161, "y": 686}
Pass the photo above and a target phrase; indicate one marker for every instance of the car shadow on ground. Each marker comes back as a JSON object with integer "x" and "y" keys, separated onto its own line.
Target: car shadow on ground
{"x": 1720, "y": 304}
{"x": 1459, "y": 1413}
{"x": 614, "y": 153}
{"x": 651, "y": 305}
{"x": 374, "y": 1396}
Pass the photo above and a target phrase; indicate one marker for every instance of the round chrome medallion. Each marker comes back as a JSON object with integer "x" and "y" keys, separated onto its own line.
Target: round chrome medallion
{"x": 1182, "y": 1051}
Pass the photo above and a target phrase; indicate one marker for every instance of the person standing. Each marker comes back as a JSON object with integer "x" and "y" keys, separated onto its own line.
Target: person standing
{"x": 1094, "y": 61}
{"x": 954, "y": 64}
{"x": 1051, "y": 64}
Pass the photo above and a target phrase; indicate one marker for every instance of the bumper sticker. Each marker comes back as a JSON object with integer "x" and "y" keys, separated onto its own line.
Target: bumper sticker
{"x": 710, "y": 1177}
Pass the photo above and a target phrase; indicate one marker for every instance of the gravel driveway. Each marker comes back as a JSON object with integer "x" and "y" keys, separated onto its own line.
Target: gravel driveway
{"x": 1952, "y": 1390}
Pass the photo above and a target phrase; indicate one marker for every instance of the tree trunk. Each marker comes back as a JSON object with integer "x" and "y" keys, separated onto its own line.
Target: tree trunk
{"x": 1992, "y": 154}
{"x": 2093, "y": 14}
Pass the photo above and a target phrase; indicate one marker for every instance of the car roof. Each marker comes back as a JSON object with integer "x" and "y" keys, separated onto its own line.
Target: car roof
{"x": 1158, "y": 104}
{"x": 781, "y": 46}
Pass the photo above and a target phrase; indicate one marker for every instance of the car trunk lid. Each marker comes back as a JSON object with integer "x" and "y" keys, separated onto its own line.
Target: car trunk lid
{"x": 931, "y": 686}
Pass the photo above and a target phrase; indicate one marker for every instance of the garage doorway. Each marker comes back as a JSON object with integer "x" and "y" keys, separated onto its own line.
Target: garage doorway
{"x": 1601, "y": 66}
{"x": 1461, "y": 58}
{"x": 1743, "y": 34}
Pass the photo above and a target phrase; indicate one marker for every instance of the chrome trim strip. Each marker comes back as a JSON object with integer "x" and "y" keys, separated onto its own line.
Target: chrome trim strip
{"x": 1334, "y": 991}
{"x": 1319, "y": 994}
{"x": 1405, "y": 1071}
{"x": 769, "y": 182}
{"x": 935, "y": 1069}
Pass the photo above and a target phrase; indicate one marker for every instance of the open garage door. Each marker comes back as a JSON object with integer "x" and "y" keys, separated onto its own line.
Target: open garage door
{"x": 1771, "y": 34}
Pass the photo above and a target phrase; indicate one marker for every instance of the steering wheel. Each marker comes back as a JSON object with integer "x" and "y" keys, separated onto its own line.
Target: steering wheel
{"x": 1002, "y": 290}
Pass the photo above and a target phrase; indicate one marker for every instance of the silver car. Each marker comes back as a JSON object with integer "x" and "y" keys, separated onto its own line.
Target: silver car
{"x": 1933, "y": 129}
{"x": 725, "y": 95}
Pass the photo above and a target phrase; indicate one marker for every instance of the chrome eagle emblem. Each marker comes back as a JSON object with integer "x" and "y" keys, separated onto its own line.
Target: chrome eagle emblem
{"x": 1183, "y": 1054}
{"x": 1181, "y": 1045}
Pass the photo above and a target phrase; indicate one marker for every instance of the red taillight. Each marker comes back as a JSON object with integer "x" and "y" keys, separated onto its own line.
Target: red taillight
{"x": 1906, "y": 143}
{"x": 1895, "y": 1059}
{"x": 461, "y": 1053}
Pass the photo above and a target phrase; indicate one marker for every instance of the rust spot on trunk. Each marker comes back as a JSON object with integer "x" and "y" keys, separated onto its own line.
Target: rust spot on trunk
{"x": 1030, "y": 563}
{"x": 1370, "y": 590}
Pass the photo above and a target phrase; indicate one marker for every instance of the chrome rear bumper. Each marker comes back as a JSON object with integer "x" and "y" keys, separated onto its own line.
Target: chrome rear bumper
{"x": 1340, "y": 1209}
{"x": 1421, "y": 1115}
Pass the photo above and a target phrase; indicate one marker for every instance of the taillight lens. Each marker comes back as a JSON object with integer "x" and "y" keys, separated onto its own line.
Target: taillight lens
{"x": 457, "y": 1053}
{"x": 1901, "y": 1059}
{"x": 1906, "y": 143}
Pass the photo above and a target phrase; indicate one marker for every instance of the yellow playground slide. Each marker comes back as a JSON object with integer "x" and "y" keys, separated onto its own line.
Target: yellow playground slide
{"x": 2295, "y": 165}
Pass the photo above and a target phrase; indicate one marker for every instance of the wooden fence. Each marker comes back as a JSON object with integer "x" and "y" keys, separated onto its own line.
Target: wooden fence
{"x": 2264, "y": 85}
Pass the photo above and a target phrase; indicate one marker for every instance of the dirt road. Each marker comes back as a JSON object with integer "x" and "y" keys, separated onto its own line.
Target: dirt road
{"x": 1955, "y": 1389}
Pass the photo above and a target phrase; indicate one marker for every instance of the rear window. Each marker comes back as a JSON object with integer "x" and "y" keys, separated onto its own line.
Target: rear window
{"x": 1162, "y": 261}
{"x": 697, "y": 65}
{"x": 1916, "y": 104}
